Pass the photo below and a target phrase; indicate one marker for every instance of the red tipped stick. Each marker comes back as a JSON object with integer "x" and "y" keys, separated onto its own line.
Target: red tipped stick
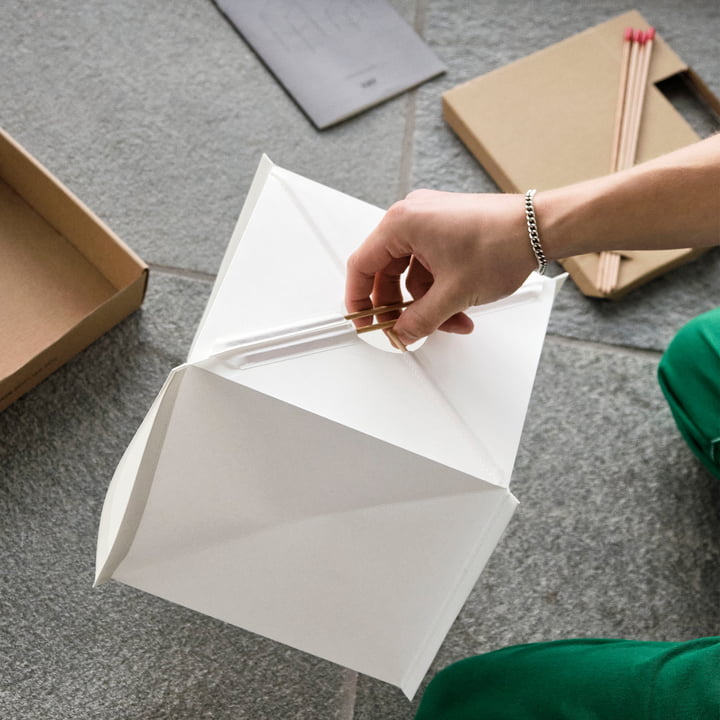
{"x": 640, "y": 91}
{"x": 609, "y": 262}
{"x": 622, "y": 88}
{"x": 630, "y": 100}
{"x": 629, "y": 132}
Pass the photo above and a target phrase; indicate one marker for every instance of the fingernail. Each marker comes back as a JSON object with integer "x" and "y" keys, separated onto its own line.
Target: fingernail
{"x": 395, "y": 340}
{"x": 405, "y": 337}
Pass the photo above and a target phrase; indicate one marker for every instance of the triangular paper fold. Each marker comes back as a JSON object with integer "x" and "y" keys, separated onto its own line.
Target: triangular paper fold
{"x": 341, "y": 501}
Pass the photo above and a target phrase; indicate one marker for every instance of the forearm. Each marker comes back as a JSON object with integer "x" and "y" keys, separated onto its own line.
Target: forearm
{"x": 670, "y": 202}
{"x": 466, "y": 249}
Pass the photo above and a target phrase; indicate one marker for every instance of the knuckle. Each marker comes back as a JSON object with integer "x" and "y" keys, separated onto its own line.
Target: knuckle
{"x": 417, "y": 324}
{"x": 420, "y": 194}
{"x": 351, "y": 262}
{"x": 418, "y": 286}
{"x": 397, "y": 212}
{"x": 355, "y": 262}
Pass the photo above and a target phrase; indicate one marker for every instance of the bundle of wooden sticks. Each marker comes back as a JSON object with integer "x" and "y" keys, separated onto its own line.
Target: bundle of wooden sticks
{"x": 386, "y": 325}
{"x": 634, "y": 67}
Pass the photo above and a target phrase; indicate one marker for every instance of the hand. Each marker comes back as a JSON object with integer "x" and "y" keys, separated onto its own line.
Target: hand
{"x": 459, "y": 249}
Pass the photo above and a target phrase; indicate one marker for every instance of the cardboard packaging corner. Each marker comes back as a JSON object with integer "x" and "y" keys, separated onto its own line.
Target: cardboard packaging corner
{"x": 65, "y": 277}
{"x": 546, "y": 120}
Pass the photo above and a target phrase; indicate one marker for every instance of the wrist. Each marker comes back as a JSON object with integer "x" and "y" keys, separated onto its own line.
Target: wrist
{"x": 533, "y": 233}
{"x": 569, "y": 223}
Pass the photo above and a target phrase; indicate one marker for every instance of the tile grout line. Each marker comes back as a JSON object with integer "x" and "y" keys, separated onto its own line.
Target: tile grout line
{"x": 608, "y": 347}
{"x": 182, "y": 272}
{"x": 410, "y": 110}
{"x": 348, "y": 695}
{"x": 407, "y": 147}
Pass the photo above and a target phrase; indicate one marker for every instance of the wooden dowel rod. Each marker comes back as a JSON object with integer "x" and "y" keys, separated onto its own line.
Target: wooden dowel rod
{"x": 395, "y": 340}
{"x": 376, "y": 326}
{"x": 378, "y": 310}
{"x": 630, "y": 99}
{"x": 627, "y": 130}
{"x": 622, "y": 88}
{"x": 640, "y": 91}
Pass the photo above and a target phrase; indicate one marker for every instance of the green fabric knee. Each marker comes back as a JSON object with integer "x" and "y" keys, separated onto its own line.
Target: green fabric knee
{"x": 581, "y": 680}
{"x": 689, "y": 375}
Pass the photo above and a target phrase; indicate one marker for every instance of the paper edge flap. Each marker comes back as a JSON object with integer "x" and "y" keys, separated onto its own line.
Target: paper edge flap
{"x": 458, "y": 596}
{"x": 265, "y": 167}
{"x": 559, "y": 282}
{"x": 550, "y": 287}
{"x": 112, "y": 547}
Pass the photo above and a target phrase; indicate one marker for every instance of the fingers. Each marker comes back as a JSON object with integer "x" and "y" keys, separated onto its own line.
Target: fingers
{"x": 458, "y": 323}
{"x": 374, "y": 273}
{"x": 360, "y": 280}
{"x": 387, "y": 289}
{"x": 419, "y": 279}
{"x": 437, "y": 308}
{"x": 374, "y": 270}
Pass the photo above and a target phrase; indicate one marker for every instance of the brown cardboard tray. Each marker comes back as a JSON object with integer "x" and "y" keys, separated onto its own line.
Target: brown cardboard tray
{"x": 65, "y": 278}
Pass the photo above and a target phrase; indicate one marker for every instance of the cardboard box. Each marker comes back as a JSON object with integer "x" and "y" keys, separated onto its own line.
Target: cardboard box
{"x": 547, "y": 120}
{"x": 65, "y": 278}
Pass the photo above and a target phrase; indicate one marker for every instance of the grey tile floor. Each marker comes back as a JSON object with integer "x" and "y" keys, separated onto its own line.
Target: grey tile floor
{"x": 155, "y": 113}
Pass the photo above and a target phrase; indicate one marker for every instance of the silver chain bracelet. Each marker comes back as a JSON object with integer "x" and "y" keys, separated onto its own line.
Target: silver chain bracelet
{"x": 533, "y": 232}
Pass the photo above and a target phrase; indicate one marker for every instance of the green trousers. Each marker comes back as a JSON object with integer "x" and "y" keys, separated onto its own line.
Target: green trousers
{"x": 689, "y": 375}
{"x": 609, "y": 679}
{"x": 581, "y": 680}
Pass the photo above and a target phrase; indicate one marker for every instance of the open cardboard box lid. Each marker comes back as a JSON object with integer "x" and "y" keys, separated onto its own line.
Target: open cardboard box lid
{"x": 65, "y": 277}
{"x": 547, "y": 120}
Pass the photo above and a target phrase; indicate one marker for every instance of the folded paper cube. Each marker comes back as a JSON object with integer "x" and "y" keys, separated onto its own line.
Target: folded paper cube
{"x": 309, "y": 486}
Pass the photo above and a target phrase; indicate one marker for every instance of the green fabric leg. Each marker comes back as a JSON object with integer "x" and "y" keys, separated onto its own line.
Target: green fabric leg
{"x": 581, "y": 680}
{"x": 689, "y": 375}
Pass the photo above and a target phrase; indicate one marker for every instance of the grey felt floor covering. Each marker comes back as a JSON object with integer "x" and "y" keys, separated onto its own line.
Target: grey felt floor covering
{"x": 155, "y": 113}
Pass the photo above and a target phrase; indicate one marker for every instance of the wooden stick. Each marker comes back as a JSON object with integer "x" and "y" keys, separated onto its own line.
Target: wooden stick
{"x": 603, "y": 271}
{"x": 395, "y": 340}
{"x": 636, "y": 102}
{"x": 613, "y": 271}
{"x": 630, "y": 100}
{"x": 603, "y": 280}
{"x": 624, "y": 156}
{"x": 377, "y": 326}
{"x": 622, "y": 88}
{"x": 640, "y": 91}
{"x": 600, "y": 272}
{"x": 380, "y": 310}
{"x": 609, "y": 270}
{"x": 386, "y": 326}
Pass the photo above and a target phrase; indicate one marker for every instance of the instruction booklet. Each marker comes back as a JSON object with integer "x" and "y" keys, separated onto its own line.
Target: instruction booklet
{"x": 335, "y": 58}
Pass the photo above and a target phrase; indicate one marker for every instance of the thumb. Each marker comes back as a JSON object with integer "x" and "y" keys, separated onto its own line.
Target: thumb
{"x": 425, "y": 315}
